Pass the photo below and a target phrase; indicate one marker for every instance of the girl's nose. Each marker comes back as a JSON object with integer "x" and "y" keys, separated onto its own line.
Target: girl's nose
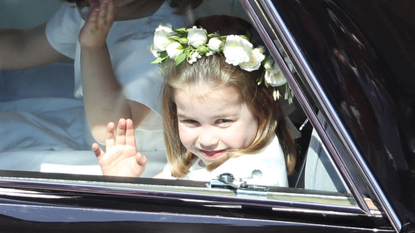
{"x": 207, "y": 140}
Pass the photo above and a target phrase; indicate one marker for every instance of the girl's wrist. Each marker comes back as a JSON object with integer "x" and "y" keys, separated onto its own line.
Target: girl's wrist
{"x": 94, "y": 47}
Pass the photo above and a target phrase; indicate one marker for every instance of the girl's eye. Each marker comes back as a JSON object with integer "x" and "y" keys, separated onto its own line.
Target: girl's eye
{"x": 223, "y": 121}
{"x": 189, "y": 122}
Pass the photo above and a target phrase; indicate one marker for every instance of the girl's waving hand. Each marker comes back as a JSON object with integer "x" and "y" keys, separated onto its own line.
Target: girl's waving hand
{"x": 98, "y": 24}
{"x": 121, "y": 158}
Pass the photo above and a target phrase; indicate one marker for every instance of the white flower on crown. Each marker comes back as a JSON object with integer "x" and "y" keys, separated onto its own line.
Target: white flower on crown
{"x": 193, "y": 57}
{"x": 268, "y": 63}
{"x": 154, "y": 50}
{"x": 237, "y": 50}
{"x": 197, "y": 37}
{"x": 161, "y": 37}
{"x": 191, "y": 44}
{"x": 273, "y": 74}
{"x": 214, "y": 44}
{"x": 174, "y": 49}
{"x": 209, "y": 53}
{"x": 255, "y": 62}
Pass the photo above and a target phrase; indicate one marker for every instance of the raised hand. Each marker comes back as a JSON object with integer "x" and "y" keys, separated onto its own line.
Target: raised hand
{"x": 121, "y": 157}
{"x": 99, "y": 22}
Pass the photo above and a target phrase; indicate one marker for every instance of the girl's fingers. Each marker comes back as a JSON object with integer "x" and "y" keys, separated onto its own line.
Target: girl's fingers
{"x": 121, "y": 130}
{"x": 92, "y": 18}
{"x": 97, "y": 150}
{"x": 102, "y": 13}
{"x": 109, "y": 137}
{"x": 112, "y": 9}
{"x": 130, "y": 133}
{"x": 93, "y": 3}
{"x": 141, "y": 159}
{"x": 102, "y": 17}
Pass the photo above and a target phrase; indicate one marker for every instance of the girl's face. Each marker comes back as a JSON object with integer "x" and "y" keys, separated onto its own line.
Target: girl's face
{"x": 213, "y": 121}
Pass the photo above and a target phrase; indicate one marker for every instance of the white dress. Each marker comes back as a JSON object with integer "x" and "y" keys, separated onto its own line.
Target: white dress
{"x": 270, "y": 161}
{"x": 128, "y": 43}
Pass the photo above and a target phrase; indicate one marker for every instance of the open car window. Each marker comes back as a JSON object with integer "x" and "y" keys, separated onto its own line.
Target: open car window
{"x": 44, "y": 147}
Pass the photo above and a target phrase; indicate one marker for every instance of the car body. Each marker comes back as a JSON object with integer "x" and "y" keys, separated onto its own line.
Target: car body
{"x": 352, "y": 79}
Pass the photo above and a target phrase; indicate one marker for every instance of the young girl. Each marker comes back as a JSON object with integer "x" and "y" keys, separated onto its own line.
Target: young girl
{"x": 217, "y": 119}
{"x": 108, "y": 41}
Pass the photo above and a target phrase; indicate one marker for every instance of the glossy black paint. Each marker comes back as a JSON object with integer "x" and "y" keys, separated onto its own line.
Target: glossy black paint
{"x": 39, "y": 218}
{"x": 34, "y": 207}
{"x": 363, "y": 54}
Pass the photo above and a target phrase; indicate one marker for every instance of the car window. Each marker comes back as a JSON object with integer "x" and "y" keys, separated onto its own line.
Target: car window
{"x": 43, "y": 130}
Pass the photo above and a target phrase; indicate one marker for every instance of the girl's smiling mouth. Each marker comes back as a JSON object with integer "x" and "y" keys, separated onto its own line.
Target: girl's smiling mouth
{"x": 213, "y": 153}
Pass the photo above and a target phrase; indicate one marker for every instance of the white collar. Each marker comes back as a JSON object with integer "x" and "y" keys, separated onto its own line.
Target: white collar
{"x": 270, "y": 161}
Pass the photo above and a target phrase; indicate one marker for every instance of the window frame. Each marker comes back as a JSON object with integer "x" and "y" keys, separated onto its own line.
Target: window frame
{"x": 276, "y": 198}
{"x": 264, "y": 13}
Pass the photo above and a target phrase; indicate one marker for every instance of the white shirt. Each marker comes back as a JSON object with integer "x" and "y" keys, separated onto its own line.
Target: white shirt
{"x": 270, "y": 161}
{"x": 128, "y": 43}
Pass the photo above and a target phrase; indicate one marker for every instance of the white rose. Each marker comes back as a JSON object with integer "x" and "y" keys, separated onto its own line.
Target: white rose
{"x": 268, "y": 63}
{"x": 197, "y": 37}
{"x": 214, "y": 44}
{"x": 255, "y": 62}
{"x": 153, "y": 50}
{"x": 174, "y": 49}
{"x": 161, "y": 37}
{"x": 262, "y": 49}
{"x": 274, "y": 76}
{"x": 237, "y": 50}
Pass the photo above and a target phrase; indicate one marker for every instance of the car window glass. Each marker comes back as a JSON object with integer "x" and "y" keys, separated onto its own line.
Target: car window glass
{"x": 37, "y": 106}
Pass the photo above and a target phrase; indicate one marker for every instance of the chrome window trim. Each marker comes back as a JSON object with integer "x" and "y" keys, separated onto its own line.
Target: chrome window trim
{"x": 281, "y": 199}
{"x": 304, "y": 103}
{"x": 309, "y": 76}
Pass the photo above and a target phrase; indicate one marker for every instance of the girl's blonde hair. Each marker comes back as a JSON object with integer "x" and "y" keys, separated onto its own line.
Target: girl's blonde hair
{"x": 215, "y": 72}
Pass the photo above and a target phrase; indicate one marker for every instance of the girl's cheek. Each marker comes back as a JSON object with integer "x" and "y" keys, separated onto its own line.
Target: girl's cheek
{"x": 185, "y": 136}
{"x": 245, "y": 137}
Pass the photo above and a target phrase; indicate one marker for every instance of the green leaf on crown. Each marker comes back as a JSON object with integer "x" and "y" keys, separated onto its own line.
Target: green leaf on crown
{"x": 163, "y": 56}
{"x": 179, "y": 59}
{"x": 158, "y": 60}
{"x": 181, "y": 30}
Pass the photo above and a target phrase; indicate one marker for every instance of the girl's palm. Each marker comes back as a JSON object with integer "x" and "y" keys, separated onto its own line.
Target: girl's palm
{"x": 99, "y": 22}
{"x": 121, "y": 158}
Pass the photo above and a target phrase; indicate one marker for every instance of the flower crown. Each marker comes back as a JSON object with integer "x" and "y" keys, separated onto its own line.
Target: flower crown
{"x": 190, "y": 44}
